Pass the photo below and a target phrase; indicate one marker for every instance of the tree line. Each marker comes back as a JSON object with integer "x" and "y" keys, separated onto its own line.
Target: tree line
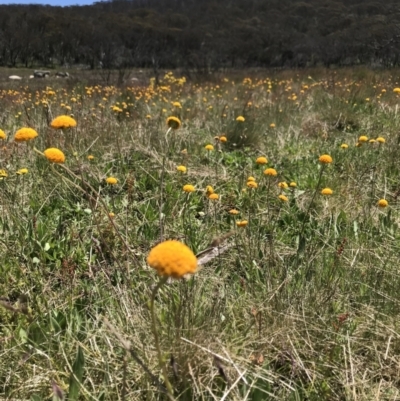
{"x": 202, "y": 34}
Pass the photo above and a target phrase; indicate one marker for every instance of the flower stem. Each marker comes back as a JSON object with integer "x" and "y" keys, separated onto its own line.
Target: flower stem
{"x": 156, "y": 339}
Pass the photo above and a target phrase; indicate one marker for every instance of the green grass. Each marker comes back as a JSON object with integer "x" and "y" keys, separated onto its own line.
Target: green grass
{"x": 302, "y": 306}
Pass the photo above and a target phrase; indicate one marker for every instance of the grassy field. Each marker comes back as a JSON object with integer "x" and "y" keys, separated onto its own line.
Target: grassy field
{"x": 297, "y": 294}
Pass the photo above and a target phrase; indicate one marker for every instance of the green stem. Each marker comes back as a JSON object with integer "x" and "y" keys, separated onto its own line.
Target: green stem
{"x": 162, "y": 281}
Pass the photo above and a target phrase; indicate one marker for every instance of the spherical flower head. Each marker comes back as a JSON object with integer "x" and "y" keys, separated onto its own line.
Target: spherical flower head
{"x": 90, "y": 157}
{"x": 326, "y": 191}
{"x": 111, "y": 214}
{"x": 242, "y": 223}
{"x": 25, "y": 134}
{"x": 344, "y": 146}
{"x": 223, "y": 138}
{"x": 383, "y": 203}
{"x": 54, "y": 155}
{"x": 240, "y": 119}
{"x": 271, "y": 172}
{"x": 111, "y": 180}
{"x": 3, "y": 134}
{"x": 172, "y": 259}
{"x": 380, "y": 139}
{"x": 251, "y": 178}
{"x": 173, "y": 122}
{"x": 181, "y": 169}
{"x": 213, "y": 196}
{"x": 252, "y": 184}
{"x": 293, "y": 184}
{"x": 363, "y": 139}
{"x": 209, "y": 190}
{"x": 189, "y": 188}
{"x": 372, "y": 141}
{"x": 63, "y": 122}
{"x": 283, "y": 185}
{"x": 261, "y": 160}
{"x": 233, "y": 212}
{"x": 177, "y": 105}
{"x": 325, "y": 159}
{"x": 209, "y": 147}
{"x": 22, "y": 171}
{"x": 272, "y": 125}
{"x": 283, "y": 198}
{"x": 396, "y": 90}
{"x": 3, "y": 173}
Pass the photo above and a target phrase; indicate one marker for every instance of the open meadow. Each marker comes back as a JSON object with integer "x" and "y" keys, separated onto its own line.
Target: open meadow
{"x": 286, "y": 186}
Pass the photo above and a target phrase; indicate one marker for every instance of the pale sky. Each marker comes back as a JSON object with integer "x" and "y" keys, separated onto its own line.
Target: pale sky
{"x": 50, "y": 2}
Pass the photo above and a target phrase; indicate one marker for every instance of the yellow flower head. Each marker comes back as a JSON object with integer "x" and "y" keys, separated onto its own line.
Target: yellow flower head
{"x": 283, "y": 198}
{"x": 233, "y": 211}
{"x": 372, "y": 141}
{"x": 252, "y": 184}
{"x": 283, "y": 185}
{"x": 293, "y": 184}
{"x": 90, "y": 157}
{"x": 189, "y": 188}
{"x": 242, "y": 223}
{"x": 326, "y": 191}
{"x": 3, "y": 134}
{"x": 251, "y": 178}
{"x": 177, "y": 105}
{"x": 25, "y": 134}
{"x": 22, "y": 171}
{"x": 380, "y": 139}
{"x": 111, "y": 180}
{"x": 213, "y": 196}
{"x": 363, "y": 138}
{"x": 54, "y": 155}
{"x": 173, "y": 122}
{"x": 3, "y": 173}
{"x": 240, "y": 119}
{"x": 209, "y": 147}
{"x": 223, "y": 138}
{"x": 396, "y": 90}
{"x": 209, "y": 190}
{"x": 172, "y": 259}
{"x": 61, "y": 122}
{"x": 272, "y": 125}
{"x": 261, "y": 160}
{"x": 344, "y": 146}
{"x": 325, "y": 159}
{"x": 271, "y": 172}
{"x": 383, "y": 203}
{"x": 182, "y": 169}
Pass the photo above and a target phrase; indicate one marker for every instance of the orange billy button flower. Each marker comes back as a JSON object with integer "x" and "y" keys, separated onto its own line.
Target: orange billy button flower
{"x": 54, "y": 155}
{"x": 252, "y": 184}
{"x": 2, "y": 134}
{"x": 223, "y": 138}
{"x": 22, "y": 171}
{"x": 325, "y": 159}
{"x": 62, "y": 122}
{"x": 233, "y": 211}
{"x": 363, "y": 138}
{"x": 213, "y": 196}
{"x": 173, "y": 122}
{"x": 251, "y": 178}
{"x": 380, "y": 139}
{"x": 209, "y": 190}
{"x": 25, "y": 134}
{"x": 272, "y": 125}
{"x": 209, "y": 147}
{"x": 261, "y": 160}
{"x": 283, "y": 198}
{"x": 111, "y": 180}
{"x": 326, "y": 191}
{"x": 283, "y": 185}
{"x": 383, "y": 203}
{"x": 90, "y": 157}
{"x": 172, "y": 259}
{"x": 344, "y": 146}
{"x": 271, "y": 172}
{"x": 189, "y": 188}
{"x": 240, "y": 119}
{"x": 242, "y": 223}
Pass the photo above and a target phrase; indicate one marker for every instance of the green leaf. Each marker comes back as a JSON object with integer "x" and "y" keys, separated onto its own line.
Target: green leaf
{"x": 75, "y": 379}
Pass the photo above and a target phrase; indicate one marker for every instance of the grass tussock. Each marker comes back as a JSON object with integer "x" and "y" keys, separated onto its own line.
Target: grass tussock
{"x": 296, "y": 296}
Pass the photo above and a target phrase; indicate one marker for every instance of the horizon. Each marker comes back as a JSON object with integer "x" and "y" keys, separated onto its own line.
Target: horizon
{"x": 54, "y": 3}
